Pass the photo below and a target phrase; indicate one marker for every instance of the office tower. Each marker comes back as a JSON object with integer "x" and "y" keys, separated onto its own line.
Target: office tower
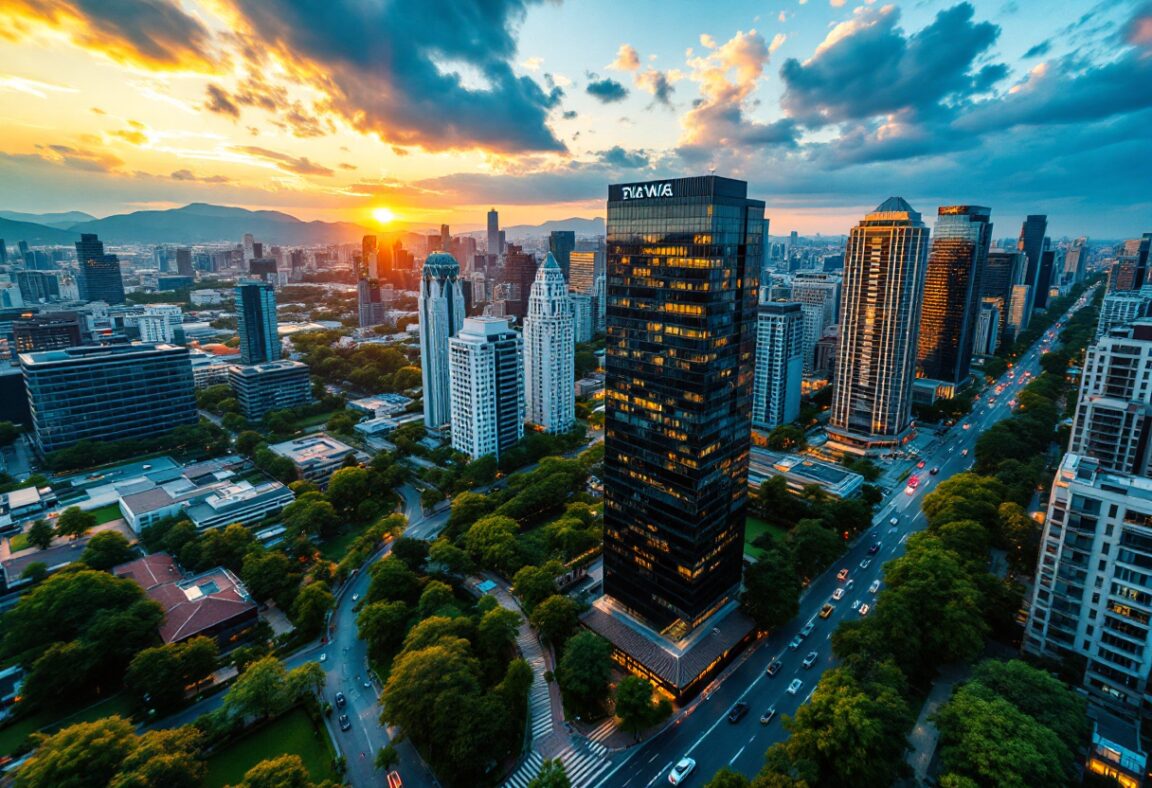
{"x": 184, "y": 261}
{"x": 49, "y": 331}
{"x": 1119, "y": 309}
{"x": 599, "y": 304}
{"x": 494, "y": 232}
{"x": 249, "y": 247}
{"x": 1075, "y": 261}
{"x": 819, "y": 297}
{"x": 372, "y": 307}
{"x": 1044, "y": 277}
{"x": 22, "y": 246}
{"x": 368, "y": 257}
{"x": 1031, "y": 243}
{"x": 766, "y": 252}
{"x": 160, "y": 259}
{"x": 550, "y": 351}
{"x": 263, "y": 268}
{"x": 1090, "y": 602}
{"x": 987, "y": 328}
{"x": 1019, "y": 310}
{"x": 107, "y": 393}
{"x": 154, "y": 329}
{"x": 256, "y": 322}
{"x": 445, "y": 238}
{"x": 162, "y": 323}
{"x": 952, "y": 287}
{"x": 503, "y": 242}
{"x": 257, "y": 249}
{"x": 581, "y": 271}
{"x": 10, "y": 295}
{"x": 561, "y": 243}
{"x": 272, "y": 385}
{"x": 99, "y": 274}
{"x": 1002, "y": 272}
{"x": 37, "y": 286}
{"x": 779, "y": 364}
{"x": 1128, "y": 272}
{"x": 519, "y": 274}
{"x": 683, "y": 264}
{"x": 582, "y": 316}
{"x": 880, "y": 314}
{"x": 1113, "y": 421}
{"x": 441, "y": 316}
{"x": 487, "y": 401}
{"x": 3, "y": 252}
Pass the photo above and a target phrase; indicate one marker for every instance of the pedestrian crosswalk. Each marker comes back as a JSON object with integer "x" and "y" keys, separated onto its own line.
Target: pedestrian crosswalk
{"x": 539, "y": 701}
{"x": 604, "y": 730}
{"x": 584, "y": 762}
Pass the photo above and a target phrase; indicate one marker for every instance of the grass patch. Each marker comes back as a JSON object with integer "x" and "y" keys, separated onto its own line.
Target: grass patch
{"x": 18, "y": 542}
{"x": 293, "y": 734}
{"x": 14, "y": 735}
{"x": 106, "y": 514}
{"x": 336, "y": 548}
{"x": 754, "y": 527}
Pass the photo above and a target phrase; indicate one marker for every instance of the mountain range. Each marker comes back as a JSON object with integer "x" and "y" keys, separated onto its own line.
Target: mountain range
{"x": 200, "y": 223}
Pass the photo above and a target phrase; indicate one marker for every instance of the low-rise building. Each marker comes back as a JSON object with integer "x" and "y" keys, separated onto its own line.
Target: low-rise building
{"x": 381, "y": 404}
{"x": 27, "y": 503}
{"x": 801, "y": 471}
{"x": 316, "y": 457}
{"x": 211, "y": 604}
{"x": 208, "y": 504}
{"x": 274, "y": 385}
{"x": 11, "y": 680}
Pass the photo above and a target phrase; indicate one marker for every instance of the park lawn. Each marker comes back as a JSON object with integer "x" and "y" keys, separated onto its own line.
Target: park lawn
{"x": 293, "y": 734}
{"x": 754, "y": 527}
{"x": 18, "y": 542}
{"x": 336, "y": 548}
{"x": 14, "y": 735}
{"x": 106, "y": 514}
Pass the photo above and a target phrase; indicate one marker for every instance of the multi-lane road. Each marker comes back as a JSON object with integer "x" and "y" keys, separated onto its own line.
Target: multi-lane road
{"x": 705, "y": 734}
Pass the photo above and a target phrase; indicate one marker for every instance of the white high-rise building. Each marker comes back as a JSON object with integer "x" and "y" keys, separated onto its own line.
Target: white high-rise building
{"x": 600, "y": 304}
{"x": 487, "y": 374}
{"x": 441, "y": 307}
{"x": 779, "y": 364}
{"x": 1122, "y": 308}
{"x": 154, "y": 329}
{"x": 819, "y": 296}
{"x": 582, "y": 316}
{"x": 550, "y": 348}
{"x": 1092, "y": 596}
{"x": 171, "y": 314}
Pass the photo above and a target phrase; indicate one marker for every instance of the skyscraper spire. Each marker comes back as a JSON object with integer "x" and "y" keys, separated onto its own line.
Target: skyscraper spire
{"x": 441, "y": 316}
{"x": 549, "y": 351}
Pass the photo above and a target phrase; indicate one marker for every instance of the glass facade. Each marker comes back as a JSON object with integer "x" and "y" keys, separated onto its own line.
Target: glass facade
{"x": 682, "y": 278}
{"x": 1031, "y": 243}
{"x": 952, "y": 288}
{"x": 256, "y": 322}
{"x": 1002, "y": 272}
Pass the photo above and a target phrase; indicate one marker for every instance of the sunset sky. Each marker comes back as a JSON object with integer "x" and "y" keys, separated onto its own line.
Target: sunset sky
{"x": 438, "y": 109}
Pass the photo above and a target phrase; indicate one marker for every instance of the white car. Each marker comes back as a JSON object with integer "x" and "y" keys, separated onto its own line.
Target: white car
{"x": 795, "y": 686}
{"x": 838, "y": 594}
{"x": 867, "y": 562}
{"x": 864, "y": 610}
{"x": 681, "y": 770}
{"x": 872, "y": 589}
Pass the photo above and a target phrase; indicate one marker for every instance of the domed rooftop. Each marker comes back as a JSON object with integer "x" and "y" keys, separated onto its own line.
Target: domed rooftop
{"x": 441, "y": 264}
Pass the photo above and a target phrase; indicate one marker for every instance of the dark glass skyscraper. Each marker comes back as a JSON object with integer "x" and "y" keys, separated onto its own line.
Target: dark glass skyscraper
{"x": 256, "y": 322}
{"x": 952, "y": 286}
{"x": 99, "y": 276}
{"x": 1031, "y": 243}
{"x": 682, "y": 268}
{"x": 1002, "y": 272}
{"x": 562, "y": 243}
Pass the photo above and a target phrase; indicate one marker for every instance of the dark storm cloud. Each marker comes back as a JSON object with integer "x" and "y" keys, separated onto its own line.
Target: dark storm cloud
{"x": 623, "y": 159}
{"x": 606, "y": 90}
{"x": 875, "y": 68}
{"x": 437, "y": 74}
{"x": 149, "y": 32}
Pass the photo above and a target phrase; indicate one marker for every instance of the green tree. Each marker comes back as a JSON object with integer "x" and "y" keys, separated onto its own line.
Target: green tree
{"x": 75, "y": 522}
{"x": 1020, "y": 535}
{"x": 585, "y": 669}
{"x": 491, "y": 541}
{"x": 35, "y": 572}
{"x": 771, "y": 590}
{"x": 382, "y": 625}
{"x": 467, "y": 508}
{"x": 450, "y": 557}
{"x": 552, "y": 774}
{"x": 170, "y": 758}
{"x": 387, "y": 757}
{"x": 813, "y": 547}
{"x": 787, "y": 437}
{"x": 726, "y": 778}
{"x": 1039, "y": 695}
{"x": 267, "y": 689}
{"x": 434, "y": 629}
{"x": 106, "y": 550}
{"x": 556, "y": 618}
{"x": 634, "y": 705}
{"x": 268, "y": 575}
{"x": 392, "y": 581}
{"x": 534, "y": 584}
{"x": 348, "y": 487}
{"x": 311, "y": 606}
{"x": 283, "y": 771}
{"x": 413, "y": 552}
{"x": 248, "y": 441}
{"x": 435, "y": 599}
{"x": 40, "y": 534}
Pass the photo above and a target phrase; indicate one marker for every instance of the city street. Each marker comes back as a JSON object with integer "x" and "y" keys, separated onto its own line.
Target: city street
{"x": 704, "y": 733}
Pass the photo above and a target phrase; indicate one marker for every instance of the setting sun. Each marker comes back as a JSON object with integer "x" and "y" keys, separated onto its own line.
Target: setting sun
{"x": 383, "y": 215}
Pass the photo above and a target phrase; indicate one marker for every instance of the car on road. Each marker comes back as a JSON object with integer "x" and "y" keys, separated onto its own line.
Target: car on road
{"x": 826, "y": 610}
{"x": 842, "y": 575}
{"x": 324, "y": 657}
{"x": 894, "y": 521}
{"x": 795, "y": 642}
{"x": 864, "y": 610}
{"x": 768, "y": 715}
{"x": 849, "y": 584}
{"x": 808, "y": 628}
{"x": 967, "y": 426}
{"x": 964, "y": 453}
{"x": 345, "y": 723}
{"x": 681, "y": 770}
{"x": 867, "y": 562}
{"x": 340, "y": 700}
{"x": 394, "y": 780}
{"x": 920, "y": 464}
{"x": 874, "y": 549}
{"x": 355, "y": 597}
{"x": 934, "y": 471}
{"x": 810, "y": 660}
{"x": 838, "y": 594}
{"x": 872, "y": 589}
{"x": 795, "y": 686}
{"x": 774, "y": 668}
{"x": 737, "y": 712}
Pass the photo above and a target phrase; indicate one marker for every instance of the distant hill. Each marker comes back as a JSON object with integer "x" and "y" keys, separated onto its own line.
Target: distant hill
{"x": 35, "y": 234}
{"x": 59, "y": 220}
{"x": 203, "y": 223}
{"x": 580, "y": 226}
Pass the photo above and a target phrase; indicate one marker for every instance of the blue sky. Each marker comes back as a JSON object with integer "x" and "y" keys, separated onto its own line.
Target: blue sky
{"x": 439, "y": 108}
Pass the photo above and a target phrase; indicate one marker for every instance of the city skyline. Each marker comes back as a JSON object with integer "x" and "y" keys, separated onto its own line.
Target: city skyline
{"x": 1008, "y": 105}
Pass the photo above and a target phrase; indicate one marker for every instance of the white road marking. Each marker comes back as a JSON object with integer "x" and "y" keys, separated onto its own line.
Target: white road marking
{"x": 737, "y": 755}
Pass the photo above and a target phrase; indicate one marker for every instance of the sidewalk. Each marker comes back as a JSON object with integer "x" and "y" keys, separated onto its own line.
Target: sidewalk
{"x": 924, "y": 736}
